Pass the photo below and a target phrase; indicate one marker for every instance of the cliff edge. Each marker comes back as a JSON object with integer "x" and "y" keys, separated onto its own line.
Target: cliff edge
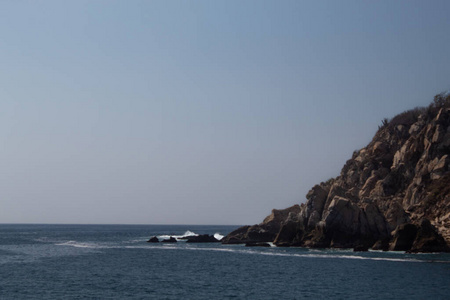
{"x": 394, "y": 194}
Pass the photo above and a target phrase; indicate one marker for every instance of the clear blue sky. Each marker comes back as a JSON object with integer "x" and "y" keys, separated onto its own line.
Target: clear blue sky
{"x": 199, "y": 112}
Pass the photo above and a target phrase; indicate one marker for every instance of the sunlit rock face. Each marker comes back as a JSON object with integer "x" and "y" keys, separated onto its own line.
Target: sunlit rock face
{"x": 392, "y": 194}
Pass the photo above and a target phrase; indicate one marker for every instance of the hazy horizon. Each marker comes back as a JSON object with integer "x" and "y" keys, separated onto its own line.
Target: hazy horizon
{"x": 200, "y": 112}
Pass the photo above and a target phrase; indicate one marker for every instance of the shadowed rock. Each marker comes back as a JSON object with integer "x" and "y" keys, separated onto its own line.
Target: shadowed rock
{"x": 170, "y": 240}
{"x": 263, "y": 232}
{"x": 404, "y": 237}
{"x": 257, "y": 245}
{"x": 203, "y": 238}
{"x": 382, "y": 244}
{"x": 290, "y": 234}
{"x": 153, "y": 240}
{"x": 428, "y": 240}
{"x": 361, "y": 248}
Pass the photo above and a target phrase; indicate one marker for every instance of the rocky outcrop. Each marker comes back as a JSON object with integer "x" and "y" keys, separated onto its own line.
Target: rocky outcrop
{"x": 153, "y": 240}
{"x": 263, "y": 232}
{"x": 393, "y": 194}
{"x": 170, "y": 240}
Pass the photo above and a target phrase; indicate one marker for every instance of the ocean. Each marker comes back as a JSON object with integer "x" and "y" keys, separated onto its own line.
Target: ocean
{"x": 116, "y": 262}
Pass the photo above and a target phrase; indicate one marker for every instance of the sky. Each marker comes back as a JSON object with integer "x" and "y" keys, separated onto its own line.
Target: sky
{"x": 200, "y": 112}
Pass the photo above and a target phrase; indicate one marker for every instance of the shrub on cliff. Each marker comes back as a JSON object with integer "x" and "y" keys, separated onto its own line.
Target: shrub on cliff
{"x": 409, "y": 117}
{"x": 441, "y": 100}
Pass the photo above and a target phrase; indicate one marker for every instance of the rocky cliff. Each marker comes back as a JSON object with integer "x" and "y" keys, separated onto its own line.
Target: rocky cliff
{"x": 393, "y": 194}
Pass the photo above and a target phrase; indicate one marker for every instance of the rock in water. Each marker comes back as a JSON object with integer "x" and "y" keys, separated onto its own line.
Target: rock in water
{"x": 153, "y": 240}
{"x": 203, "y": 238}
{"x": 170, "y": 240}
{"x": 381, "y": 245}
{"x": 263, "y": 232}
{"x": 392, "y": 194}
{"x": 289, "y": 234}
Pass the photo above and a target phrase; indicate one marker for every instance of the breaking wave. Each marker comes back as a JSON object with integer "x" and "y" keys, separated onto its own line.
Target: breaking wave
{"x": 218, "y": 236}
{"x": 311, "y": 254}
{"x": 177, "y": 237}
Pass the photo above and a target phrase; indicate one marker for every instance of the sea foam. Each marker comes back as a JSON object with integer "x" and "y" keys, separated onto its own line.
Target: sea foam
{"x": 177, "y": 237}
{"x": 218, "y": 236}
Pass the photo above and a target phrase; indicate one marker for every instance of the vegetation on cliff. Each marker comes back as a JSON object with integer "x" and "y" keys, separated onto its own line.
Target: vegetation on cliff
{"x": 392, "y": 194}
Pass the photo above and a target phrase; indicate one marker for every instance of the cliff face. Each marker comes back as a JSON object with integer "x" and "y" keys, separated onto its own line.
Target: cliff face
{"x": 393, "y": 194}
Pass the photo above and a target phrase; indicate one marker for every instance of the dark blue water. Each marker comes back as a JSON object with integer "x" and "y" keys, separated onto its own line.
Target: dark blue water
{"x": 115, "y": 262}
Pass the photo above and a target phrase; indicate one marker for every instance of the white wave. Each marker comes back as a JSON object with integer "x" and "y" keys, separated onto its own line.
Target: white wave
{"x": 317, "y": 254}
{"x": 190, "y": 233}
{"x": 310, "y": 254}
{"x": 136, "y": 240}
{"x": 42, "y": 239}
{"x": 271, "y": 253}
{"x": 389, "y": 252}
{"x": 218, "y": 236}
{"x": 361, "y": 257}
{"x": 177, "y": 237}
{"x": 332, "y": 250}
{"x": 82, "y": 245}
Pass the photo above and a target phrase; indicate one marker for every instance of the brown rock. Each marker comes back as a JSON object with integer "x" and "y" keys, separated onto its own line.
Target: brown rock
{"x": 263, "y": 232}
{"x": 290, "y": 234}
{"x": 383, "y": 193}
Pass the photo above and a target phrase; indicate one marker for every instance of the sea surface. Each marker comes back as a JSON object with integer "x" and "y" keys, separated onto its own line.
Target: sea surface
{"x": 116, "y": 262}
